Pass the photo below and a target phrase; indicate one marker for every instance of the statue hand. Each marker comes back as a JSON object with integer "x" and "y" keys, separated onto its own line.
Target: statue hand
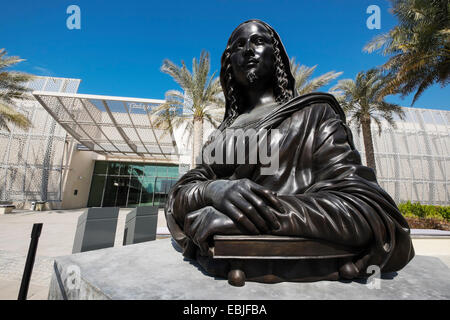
{"x": 246, "y": 203}
{"x": 202, "y": 224}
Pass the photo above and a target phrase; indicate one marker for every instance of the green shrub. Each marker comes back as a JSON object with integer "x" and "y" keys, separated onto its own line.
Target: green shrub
{"x": 418, "y": 210}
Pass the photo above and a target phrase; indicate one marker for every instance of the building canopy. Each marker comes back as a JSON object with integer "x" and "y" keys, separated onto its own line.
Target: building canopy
{"x": 111, "y": 125}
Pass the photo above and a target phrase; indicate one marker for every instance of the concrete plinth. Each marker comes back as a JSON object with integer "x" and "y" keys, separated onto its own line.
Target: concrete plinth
{"x": 140, "y": 225}
{"x": 155, "y": 270}
{"x": 96, "y": 229}
{"x": 5, "y": 209}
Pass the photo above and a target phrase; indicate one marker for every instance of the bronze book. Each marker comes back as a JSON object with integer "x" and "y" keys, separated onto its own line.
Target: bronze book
{"x": 277, "y": 247}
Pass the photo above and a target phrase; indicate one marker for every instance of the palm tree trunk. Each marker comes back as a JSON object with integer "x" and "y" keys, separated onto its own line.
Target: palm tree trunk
{"x": 368, "y": 144}
{"x": 198, "y": 140}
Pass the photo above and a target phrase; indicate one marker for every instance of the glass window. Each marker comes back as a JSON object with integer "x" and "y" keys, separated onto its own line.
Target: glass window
{"x": 100, "y": 167}
{"x": 150, "y": 171}
{"x": 159, "y": 192}
{"x": 125, "y": 169}
{"x": 166, "y": 184}
{"x": 131, "y": 184}
{"x": 134, "y": 193}
{"x": 162, "y": 171}
{"x": 96, "y": 193}
{"x": 114, "y": 168}
{"x": 111, "y": 187}
{"x": 136, "y": 170}
{"x": 173, "y": 172}
{"x": 148, "y": 185}
{"x": 122, "y": 191}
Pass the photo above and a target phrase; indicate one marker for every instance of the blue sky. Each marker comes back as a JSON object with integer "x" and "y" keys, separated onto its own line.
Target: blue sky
{"x": 121, "y": 45}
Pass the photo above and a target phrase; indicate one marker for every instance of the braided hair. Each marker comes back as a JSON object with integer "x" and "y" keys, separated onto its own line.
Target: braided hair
{"x": 284, "y": 81}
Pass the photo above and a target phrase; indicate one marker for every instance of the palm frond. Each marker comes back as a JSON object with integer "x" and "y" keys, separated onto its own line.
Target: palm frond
{"x": 302, "y": 75}
{"x": 360, "y": 99}
{"x": 202, "y": 97}
{"x": 418, "y": 47}
{"x": 12, "y": 88}
{"x": 9, "y": 115}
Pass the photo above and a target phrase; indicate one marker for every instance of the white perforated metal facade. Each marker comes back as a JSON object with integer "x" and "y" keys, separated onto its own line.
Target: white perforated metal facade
{"x": 413, "y": 160}
{"x": 31, "y": 160}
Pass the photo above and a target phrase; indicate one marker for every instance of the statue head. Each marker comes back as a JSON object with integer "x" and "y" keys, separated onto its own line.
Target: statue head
{"x": 254, "y": 57}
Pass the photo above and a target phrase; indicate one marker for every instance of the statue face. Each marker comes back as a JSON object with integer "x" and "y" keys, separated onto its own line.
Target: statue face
{"x": 252, "y": 55}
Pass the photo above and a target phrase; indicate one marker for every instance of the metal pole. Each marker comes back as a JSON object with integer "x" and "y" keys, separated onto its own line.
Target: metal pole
{"x": 35, "y": 233}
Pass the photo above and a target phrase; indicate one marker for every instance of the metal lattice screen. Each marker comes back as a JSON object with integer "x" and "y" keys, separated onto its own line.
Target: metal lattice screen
{"x": 112, "y": 125}
{"x": 31, "y": 160}
{"x": 413, "y": 159}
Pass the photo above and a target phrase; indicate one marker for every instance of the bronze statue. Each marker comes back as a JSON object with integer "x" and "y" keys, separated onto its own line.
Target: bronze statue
{"x": 320, "y": 190}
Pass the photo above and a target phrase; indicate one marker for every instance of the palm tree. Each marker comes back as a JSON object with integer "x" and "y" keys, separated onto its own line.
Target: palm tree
{"x": 302, "y": 74}
{"x": 419, "y": 47}
{"x": 11, "y": 88}
{"x": 360, "y": 101}
{"x": 200, "y": 101}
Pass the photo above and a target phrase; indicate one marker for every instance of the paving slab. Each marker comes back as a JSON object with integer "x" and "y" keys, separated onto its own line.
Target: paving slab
{"x": 10, "y": 291}
{"x": 156, "y": 270}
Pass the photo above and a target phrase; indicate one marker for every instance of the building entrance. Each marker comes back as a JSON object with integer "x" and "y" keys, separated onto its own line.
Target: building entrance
{"x": 125, "y": 184}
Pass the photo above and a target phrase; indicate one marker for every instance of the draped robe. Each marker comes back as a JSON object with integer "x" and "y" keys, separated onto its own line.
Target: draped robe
{"x": 325, "y": 191}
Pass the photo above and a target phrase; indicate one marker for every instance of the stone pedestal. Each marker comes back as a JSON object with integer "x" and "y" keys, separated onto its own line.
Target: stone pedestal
{"x": 155, "y": 270}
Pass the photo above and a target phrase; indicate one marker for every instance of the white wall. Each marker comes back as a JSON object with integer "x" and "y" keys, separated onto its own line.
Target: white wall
{"x": 77, "y": 176}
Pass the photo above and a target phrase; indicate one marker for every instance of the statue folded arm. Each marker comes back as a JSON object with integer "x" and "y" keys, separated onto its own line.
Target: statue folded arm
{"x": 340, "y": 200}
{"x": 344, "y": 203}
{"x": 335, "y": 204}
{"x": 187, "y": 195}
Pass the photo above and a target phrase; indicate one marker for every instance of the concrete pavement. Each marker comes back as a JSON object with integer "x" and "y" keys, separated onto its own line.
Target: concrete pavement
{"x": 57, "y": 238}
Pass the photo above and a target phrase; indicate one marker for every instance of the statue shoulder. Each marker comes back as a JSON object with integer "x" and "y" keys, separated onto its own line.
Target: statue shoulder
{"x": 320, "y": 100}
